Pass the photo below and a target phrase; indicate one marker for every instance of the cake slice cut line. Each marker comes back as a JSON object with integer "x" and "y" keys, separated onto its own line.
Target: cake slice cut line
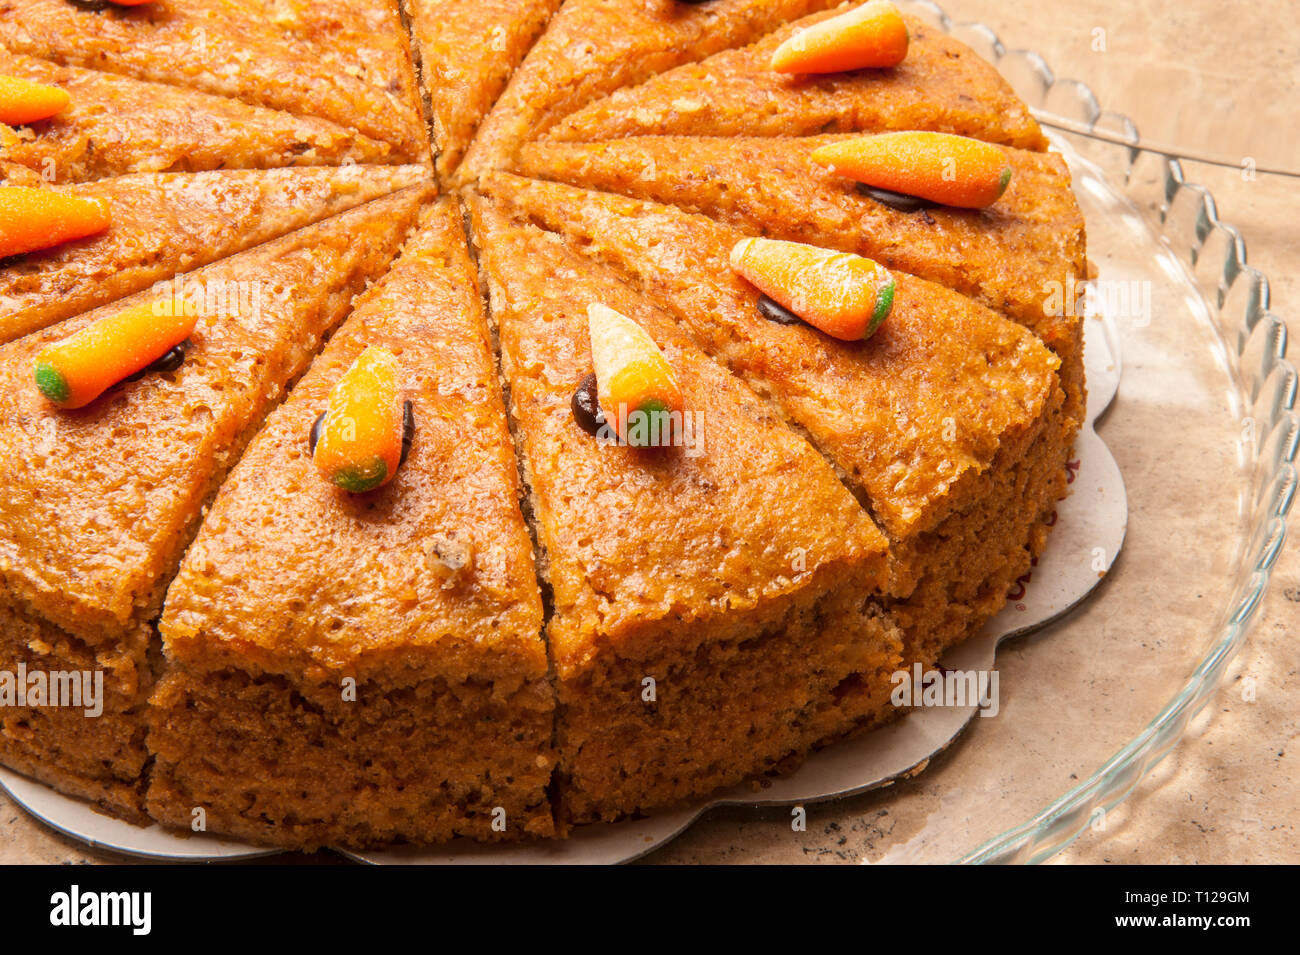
{"x": 593, "y": 47}
{"x": 942, "y": 85}
{"x": 115, "y": 125}
{"x": 339, "y": 60}
{"x": 467, "y": 50}
{"x": 166, "y": 224}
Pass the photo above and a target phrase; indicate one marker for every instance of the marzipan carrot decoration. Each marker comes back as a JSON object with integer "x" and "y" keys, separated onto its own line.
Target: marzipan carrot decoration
{"x": 950, "y": 170}
{"x": 872, "y": 35}
{"x": 632, "y": 375}
{"x": 22, "y": 101}
{"x": 75, "y": 371}
{"x": 844, "y": 295}
{"x": 32, "y": 219}
{"x": 359, "y": 442}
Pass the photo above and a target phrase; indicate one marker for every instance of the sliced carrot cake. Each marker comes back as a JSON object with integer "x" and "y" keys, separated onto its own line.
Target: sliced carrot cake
{"x": 941, "y": 85}
{"x": 946, "y": 422}
{"x": 593, "y": 47}
{"x": 100, "y": 502}
{"x": 1015, "y": 256}
{"x": 113, "y": 125}
{"x": 712, "y": 610}
{"x": 401, "y": 690}
{"x": 160, "y": 224}
{"x": 343, "y": 61}
{"x": 730, "y": 384}
{"x": 467, "y": 50}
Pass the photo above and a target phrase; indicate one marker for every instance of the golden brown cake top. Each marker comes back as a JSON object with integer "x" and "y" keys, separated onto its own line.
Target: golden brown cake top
{"x": 638, "y": 538}
{"x": 468, "y": 49}
{"x": 941, "y": 85}
{"x": 116, "y": 125}
{"x": 344, "y": 61}
{"x": 905, "y": 415}
{"x": 593, "y": 47}
{"x": 431, "y": 574}
{"x": 1011, "y": 256}
{"x": 168, "y": 223}
{"x": 100, "y": 502}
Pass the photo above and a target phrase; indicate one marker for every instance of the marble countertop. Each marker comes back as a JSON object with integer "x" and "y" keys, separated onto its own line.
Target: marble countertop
{"x": 1230, "y": 792}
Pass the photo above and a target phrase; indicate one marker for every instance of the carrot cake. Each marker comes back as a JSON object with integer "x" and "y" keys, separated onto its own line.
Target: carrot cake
{"x": 1016, "y": 256}
{"x": 467, "y": 51}
{"x": 429, "y": 576}
{"x": 941, "y": 85}
{"x": 167, "y": 223}
{"x": 116, "y": 125}
{"x": 100, "y": 503}
{"x": 711, "y": 603}
{"x": 401, "y": 691}
{"x": 594, "y": 47}
{"x": 340, "y": 60}
{"x": 951, "y": 433}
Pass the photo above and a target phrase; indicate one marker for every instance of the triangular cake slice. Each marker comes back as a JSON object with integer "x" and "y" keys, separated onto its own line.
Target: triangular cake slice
{"x": 593, "y": 47}
{"x": 1025, "y": 255}
{"x": 705, "y": 594}
{"x": 467, "y": 51}
{"x": 942, "y": 85}
{"x": 100, "y": 503}
{"x": 116, "y": 125}
{"x": 946, "y": 423}
{"x": 340, "y": 60}
{"x": 168, "y": 223}
{"x": 422, "y": 594}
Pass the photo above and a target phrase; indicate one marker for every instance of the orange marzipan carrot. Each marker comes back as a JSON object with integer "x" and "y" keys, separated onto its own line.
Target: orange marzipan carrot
{"x": 873, "y": 35}
{"x": 22, "y": 101}
{"x": 632, "y": 373}
{"x": 32, "y": 219}
{"x": 947, "y": 169}
{"x": 359, "y": 447}
{"x": 844, "y": 295}
{"x": 75, "y": 371}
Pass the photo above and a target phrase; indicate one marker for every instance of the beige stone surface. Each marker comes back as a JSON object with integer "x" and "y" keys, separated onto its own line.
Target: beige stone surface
{"x": 1231, "y": 791}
